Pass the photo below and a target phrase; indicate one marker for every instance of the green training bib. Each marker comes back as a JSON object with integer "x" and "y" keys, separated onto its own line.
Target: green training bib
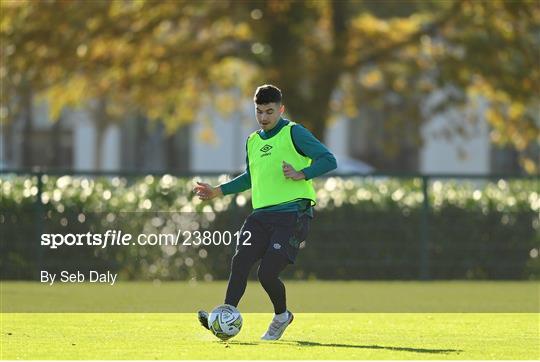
{"x": 268, "y": 184}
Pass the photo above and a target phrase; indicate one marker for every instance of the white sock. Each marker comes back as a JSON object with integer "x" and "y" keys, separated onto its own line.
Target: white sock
{"x": 282, "y": 318}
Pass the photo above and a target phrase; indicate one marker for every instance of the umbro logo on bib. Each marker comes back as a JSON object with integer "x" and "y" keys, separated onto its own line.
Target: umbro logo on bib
{"x": 266, "y": 148}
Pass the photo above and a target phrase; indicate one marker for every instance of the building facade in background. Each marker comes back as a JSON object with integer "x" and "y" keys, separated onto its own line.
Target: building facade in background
{"x": 137, "y": 144}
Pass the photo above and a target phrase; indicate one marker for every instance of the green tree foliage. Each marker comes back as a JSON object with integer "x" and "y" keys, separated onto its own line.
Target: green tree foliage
{"x": 168, "y": 59}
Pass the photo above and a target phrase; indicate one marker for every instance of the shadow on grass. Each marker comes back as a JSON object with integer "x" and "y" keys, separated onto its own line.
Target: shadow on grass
{"x": 340, "y": 345}
{"x": 390, "y": 348}
{"x": 240, "y": 343}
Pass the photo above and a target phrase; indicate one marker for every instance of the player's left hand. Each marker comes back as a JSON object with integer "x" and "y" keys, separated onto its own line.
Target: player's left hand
{"x": 290, "y": 172}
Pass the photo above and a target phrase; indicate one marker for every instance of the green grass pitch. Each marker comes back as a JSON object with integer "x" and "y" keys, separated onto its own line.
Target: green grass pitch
{"x": 313, "y": 335}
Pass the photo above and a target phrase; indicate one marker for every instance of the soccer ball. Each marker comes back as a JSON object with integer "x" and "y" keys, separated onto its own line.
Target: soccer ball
{"x": 225, "y": 321}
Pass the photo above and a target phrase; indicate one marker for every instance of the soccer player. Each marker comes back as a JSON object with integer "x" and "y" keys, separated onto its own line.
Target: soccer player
{"x": 282, "y": 159}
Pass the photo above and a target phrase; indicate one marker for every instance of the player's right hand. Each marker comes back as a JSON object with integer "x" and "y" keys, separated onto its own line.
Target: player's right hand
{"x": 206, "y": 191}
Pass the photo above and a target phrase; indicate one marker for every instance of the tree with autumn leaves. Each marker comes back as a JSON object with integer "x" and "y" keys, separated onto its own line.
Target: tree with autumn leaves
{"x": 166, "y": 60}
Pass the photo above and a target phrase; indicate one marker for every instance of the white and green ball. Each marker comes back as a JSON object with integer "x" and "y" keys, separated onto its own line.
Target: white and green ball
{"x": 225, "y": 321}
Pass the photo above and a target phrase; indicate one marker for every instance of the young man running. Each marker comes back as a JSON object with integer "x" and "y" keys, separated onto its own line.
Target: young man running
{"x": 282, "y": 159}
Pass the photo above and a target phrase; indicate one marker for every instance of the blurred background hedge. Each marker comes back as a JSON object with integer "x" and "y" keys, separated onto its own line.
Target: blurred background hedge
{"x": 364, "y": 227}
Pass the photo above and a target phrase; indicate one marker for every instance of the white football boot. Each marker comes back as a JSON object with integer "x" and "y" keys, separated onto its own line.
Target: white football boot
{"x": 276, "y": 328}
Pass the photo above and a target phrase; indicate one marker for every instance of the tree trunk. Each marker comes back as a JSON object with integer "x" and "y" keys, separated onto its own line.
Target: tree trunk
{"x": 170, "y": 151}
{"x": 100, "y": 122}
{"x": 7, "y": 145}
{"x": 26, "y": 146}
{"x": 308, "y": 104}
{"x": 55, "y": 139}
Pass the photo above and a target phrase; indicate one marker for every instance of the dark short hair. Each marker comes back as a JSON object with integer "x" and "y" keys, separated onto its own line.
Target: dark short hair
{"x": 267, "y": 93}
